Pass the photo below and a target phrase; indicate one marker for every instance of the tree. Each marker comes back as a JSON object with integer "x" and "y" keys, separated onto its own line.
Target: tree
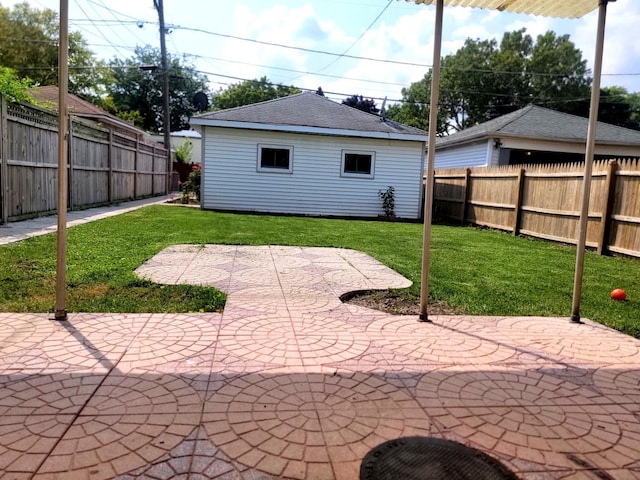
{"x": 30, "y": 47}
{"x": 414, "y": 110}
{"x": 13, "y": 88}
{"x": 136, "y": 93}
{"x": 617, "y": 107}
{"x": 484, "y": 80}
{"x": 184, "y": 151}
{"x": 364, "y": 104}
{"x": 248, "y": 92}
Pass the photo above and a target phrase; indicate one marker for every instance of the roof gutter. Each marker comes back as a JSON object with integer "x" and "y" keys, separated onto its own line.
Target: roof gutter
{"x": 306, "y": 129}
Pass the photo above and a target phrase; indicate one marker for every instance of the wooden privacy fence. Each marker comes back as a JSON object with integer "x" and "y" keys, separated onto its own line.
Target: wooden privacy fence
{"x": 544, "y": 201}
{"x": 105, "y": 166}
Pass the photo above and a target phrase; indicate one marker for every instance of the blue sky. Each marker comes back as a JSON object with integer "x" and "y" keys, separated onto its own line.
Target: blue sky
{"x": 402, "y": 33}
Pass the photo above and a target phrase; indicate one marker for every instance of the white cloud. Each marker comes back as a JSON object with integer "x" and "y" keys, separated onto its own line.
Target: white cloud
{"x": 621, "y": 51}
{"x": 404, "y": 32}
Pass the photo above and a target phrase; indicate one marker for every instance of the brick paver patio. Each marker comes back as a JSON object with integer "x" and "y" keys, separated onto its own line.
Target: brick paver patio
{"x": 289, "y": 382}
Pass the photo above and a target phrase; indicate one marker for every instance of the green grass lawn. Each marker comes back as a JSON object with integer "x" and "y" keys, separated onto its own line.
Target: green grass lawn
{"x": 474, "y": 271}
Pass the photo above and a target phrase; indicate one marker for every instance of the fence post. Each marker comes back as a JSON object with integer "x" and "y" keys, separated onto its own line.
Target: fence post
{"x": 135, "y": 169}
{"x": 110, "y": 167}
{"x": 169, "y": 168}
{"x": 153, "y": 169}
{"x": 467, "y": 187}
{"x": 70, "y": 163}
{"x": 609, "y": 198}
{"x": 518, "y": 203}
{"x": 4, "y": 169}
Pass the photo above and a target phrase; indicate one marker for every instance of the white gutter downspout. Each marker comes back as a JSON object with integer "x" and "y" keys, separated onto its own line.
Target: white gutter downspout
{"x": 431, "y": 148}
{"x": 588, "y": 162}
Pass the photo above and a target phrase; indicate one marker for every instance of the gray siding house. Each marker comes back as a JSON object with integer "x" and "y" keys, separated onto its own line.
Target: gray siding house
{"x": 305, "y": 154}
{"x": 532, "y": 135}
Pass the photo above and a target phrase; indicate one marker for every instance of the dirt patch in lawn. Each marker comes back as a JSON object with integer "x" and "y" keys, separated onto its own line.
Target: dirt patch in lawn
{"x": 179, "y": 201}
{"x": 394, "y": 302}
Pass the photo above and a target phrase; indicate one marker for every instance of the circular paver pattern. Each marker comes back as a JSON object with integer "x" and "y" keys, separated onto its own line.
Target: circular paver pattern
{"x": 257, "y": 276}
{"x": 128, "y": 422}
{"x": 308, "y": 300}
{"x": 542, "y": 325}
{"x": 260, "y": 299}
{"x": 524, "y": 414}
{"x": 596, "y": 348}
{"x": 545, "y": 435}
{"x": 486, "y": 388}
{"x": 619, "y": 382}
{"x": 167, "y": 274}
{"x": 253, "y": 260}
{"x": 105, "y": 446}
{"x": 20, "y": 331}
{"x": 263, "y": 348}
{"x": 432, "y": 344}
{"x": 352, "y": 279}
{"x": 291, "y": 261}
{"x": 272, "y": 423}
{"x": 89, "y": 341}
{"x": 325, "y": 323}
{"x": 170, "y": 338}
{"x": 299, "y": 277}
{"x": 119, "y": 395}
{"x": 330, "y": 347}
{"x": 205, "y": 275}
{"x": 273, "y": 341}
{"x": 26, "y": 439}
{"x": 46, "y": 394}
{"x": 267, "y": 325}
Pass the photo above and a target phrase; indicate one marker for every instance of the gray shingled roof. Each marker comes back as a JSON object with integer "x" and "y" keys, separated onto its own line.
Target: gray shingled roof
{"x": 308, "y": 110}
{"x": 543, "y": 124}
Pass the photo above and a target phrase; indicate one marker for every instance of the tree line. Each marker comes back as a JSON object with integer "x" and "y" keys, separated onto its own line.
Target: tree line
{"x": 484, "y": 79}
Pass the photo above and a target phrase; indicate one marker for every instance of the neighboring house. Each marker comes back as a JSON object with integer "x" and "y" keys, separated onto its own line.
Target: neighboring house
{"x": 191, "y": 136}
{"x": 305, "y": 154}
{"x": 47, "y": 97}
{"x": 533, "y": 135}
{"x": 178, "y": 138}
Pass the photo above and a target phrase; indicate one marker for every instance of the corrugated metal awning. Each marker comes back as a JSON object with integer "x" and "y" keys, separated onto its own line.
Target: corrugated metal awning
{"x": 547, "y": 8}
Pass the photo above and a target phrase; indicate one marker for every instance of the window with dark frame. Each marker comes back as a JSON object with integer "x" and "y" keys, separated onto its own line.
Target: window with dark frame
{"x": 271, "y": 157}
{"x": 357, "y": 163}
{"x": 275, "y": 158}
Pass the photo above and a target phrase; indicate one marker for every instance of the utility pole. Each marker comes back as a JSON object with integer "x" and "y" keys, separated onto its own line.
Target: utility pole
{"x": 166, "y": 123}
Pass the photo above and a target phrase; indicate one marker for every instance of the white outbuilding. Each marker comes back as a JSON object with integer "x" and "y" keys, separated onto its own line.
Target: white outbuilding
{"x": 308, "y": 155}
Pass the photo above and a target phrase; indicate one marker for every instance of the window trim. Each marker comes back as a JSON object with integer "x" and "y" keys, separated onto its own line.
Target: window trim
{"x": 369, "y": 175}
{"x": 261, "y": 169}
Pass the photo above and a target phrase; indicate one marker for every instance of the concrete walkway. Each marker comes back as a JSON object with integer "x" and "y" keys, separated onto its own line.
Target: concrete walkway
{"x": 289, "y": 382}
{"x": 16, "y": 231}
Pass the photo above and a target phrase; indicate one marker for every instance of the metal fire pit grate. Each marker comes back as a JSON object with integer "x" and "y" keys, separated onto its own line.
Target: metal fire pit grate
{"x": 426, "y": 458}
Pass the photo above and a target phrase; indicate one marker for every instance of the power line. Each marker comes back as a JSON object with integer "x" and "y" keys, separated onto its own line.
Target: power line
{"x": 94, "y": 25}
{"x": 359, "y": 38}
{"x": 113, "y": 14}
{"x": 371, "y": 59}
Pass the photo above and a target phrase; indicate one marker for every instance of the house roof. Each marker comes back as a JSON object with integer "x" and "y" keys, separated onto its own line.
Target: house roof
{"x": 186, "y": 133}
{"x": 308, "y": 113}
{"x": 48, "y": 96}
{"x": 542, "y": 124}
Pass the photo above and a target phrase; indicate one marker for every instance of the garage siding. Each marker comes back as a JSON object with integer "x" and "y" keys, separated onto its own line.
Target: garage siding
{"x": 315, "y": 187}
{"x": 472, "y": 155}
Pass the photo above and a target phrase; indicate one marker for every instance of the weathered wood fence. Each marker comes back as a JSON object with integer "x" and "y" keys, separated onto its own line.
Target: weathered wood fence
{"x": 105, "y": 166}
{"x": 544, "y": 202}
